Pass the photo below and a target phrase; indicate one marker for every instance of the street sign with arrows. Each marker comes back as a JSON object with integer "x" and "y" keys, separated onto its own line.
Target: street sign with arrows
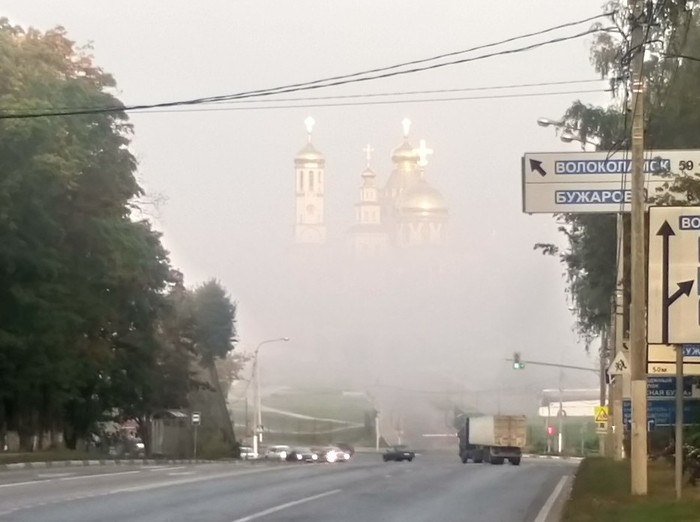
{"x": 589, "y": 182}
{"x": 674, "y": 266}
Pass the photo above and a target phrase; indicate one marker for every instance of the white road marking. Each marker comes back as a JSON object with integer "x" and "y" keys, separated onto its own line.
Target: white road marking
{"x": 99, "y": 475}
{"x": 181, "y": 473}
{"x": 27, "y": 483}
{"x": 54, "y": 475}
{"x": 286, "y": 505}
{"x": 164, "y": 468}
{"x": 544, "y": 512}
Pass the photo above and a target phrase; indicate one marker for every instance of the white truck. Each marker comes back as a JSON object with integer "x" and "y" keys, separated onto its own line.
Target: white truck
{"x": 493, "y": 439}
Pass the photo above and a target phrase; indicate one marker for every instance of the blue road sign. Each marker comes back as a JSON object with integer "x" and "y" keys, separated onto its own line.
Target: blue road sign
{"x": 691, "y": 350}
{"x": 665, "y": 387}
{"x": 662, "y": 412}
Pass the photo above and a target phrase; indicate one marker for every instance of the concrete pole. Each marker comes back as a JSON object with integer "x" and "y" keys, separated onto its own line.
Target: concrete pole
{"x": 638, "y": 347}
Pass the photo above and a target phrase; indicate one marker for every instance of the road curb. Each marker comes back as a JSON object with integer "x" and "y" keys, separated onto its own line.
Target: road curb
{"x": 553, "y": 457}
{"x": 98, "y": 462}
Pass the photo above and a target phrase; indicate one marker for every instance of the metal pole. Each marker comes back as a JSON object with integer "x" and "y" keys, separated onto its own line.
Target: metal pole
{"x": 549, "y": 423}
{"x": 560, "y": 416}
{"x": 194, "y": 449}
{"x": 255, "y": 418}
{"x": 639, "y": 481}
{"x": 258, "y": 401}
{"x": 376, "y": 431}
{"x": 618, "y": 327}
{"x": 679, "y": 421}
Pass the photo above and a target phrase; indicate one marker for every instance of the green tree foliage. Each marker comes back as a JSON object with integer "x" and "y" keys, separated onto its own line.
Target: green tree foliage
{"x": 94, "y": 323}
{"x": 214, "y": 318}
{"x": 672, "y": 105}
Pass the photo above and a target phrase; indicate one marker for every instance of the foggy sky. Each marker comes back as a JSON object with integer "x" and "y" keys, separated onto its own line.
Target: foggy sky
{"x": 226, "y": 178}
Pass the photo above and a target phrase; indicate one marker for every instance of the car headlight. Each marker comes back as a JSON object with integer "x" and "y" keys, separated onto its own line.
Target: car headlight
{"x": 346, "y": 456}
{"x": 298, "y": 457}
{"x": 283, "y": 454}
{"x": 314, "y": 457}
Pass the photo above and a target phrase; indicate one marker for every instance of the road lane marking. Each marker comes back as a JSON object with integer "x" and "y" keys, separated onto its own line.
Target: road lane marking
{"x": 54, "y": 475}
{"x": 544, "y": 512}
{"x": 286, "y": 505}
{"x": 167, "y": 468}
{"x": 181, "y": 473}
{"x": 201, "y": 478}
{"x": 27, "y": 483}
{"x": 99, "y": 475}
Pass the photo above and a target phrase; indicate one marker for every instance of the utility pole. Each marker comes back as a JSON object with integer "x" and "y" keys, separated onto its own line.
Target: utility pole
{"x": 639, "y": 481}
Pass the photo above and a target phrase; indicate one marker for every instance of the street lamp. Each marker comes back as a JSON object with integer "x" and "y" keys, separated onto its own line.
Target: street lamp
{"x": 257, "y": 437}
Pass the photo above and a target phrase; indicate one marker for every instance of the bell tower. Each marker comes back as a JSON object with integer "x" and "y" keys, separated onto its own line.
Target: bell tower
{"x": 310, "y": 165}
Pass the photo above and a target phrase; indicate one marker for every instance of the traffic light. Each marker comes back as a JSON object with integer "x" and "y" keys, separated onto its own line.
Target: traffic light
{"x": 551, "y": 430}
{"x": 517, "y": 365}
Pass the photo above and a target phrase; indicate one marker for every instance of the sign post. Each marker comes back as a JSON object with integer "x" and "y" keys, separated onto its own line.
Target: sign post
{"x": 679, "y": 421}
{"x": 196, "y": 421}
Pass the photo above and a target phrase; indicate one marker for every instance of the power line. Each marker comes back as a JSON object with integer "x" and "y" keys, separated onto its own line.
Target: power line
{"x": 377, "y": 102}
{"x": 317, "y": 84}
{"x": 430, "y": 91}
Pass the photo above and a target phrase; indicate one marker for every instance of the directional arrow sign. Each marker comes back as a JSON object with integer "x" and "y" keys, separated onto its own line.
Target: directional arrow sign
{"x": 674, "y": 265}
{"x": 536, "y": 166}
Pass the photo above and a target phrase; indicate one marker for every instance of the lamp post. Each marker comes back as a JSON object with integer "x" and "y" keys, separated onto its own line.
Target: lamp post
{"x": 257, "y": 437}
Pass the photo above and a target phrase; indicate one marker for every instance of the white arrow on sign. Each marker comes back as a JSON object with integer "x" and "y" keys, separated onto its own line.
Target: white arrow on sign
{"x": 619, "y": 365}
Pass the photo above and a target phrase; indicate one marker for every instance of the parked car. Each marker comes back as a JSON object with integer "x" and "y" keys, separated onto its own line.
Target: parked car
{"x": 302, "y": 455}
{"x": 398, "y": 454}
{"x": 246, "y": 452}
{"x": 332, "y": 454}
{"x": 278, "y": 452}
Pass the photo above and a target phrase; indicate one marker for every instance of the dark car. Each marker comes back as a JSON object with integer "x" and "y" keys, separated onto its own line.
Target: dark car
{"x": 398, "y": 454}
{"x": 347, "y": 448}
{"x": 302, "y": 455}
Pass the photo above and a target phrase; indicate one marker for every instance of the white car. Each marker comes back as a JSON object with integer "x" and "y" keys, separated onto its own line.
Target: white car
{"x": 277, "y": 452}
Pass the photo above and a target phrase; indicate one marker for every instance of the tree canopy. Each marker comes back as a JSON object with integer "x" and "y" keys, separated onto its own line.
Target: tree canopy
{"x": 94, "y": 321}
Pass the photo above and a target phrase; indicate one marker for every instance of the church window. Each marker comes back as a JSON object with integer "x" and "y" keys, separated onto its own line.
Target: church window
{"x": 301, "y": 181}
{"x": 311, "y": 180}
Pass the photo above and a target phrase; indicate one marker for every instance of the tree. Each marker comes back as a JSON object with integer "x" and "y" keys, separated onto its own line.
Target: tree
{"x": 671, "y": 69}
{"x": 81, "y": 284}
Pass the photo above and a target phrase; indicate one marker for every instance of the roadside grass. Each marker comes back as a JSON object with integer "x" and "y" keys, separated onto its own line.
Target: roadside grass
{"x": 44, "y": 456}
{"x": 601, "y": 494}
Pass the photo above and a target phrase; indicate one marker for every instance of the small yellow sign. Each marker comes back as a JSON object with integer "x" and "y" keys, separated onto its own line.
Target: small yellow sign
{"x": 601, "y": 414}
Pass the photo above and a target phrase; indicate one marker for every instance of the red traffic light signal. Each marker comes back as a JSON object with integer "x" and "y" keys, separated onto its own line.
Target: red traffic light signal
{"x": 551, "y": 430}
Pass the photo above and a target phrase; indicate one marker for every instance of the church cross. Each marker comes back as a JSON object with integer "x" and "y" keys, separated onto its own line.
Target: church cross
{"x": 368, "y": 153}
{"x": 423, "y": 151}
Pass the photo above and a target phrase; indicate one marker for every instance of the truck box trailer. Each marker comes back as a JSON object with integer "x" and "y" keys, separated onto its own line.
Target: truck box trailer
{"x": 493, "y": 439}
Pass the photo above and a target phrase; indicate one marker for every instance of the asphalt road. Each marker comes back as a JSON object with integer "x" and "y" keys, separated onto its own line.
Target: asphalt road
{"x": 434, "y": 488}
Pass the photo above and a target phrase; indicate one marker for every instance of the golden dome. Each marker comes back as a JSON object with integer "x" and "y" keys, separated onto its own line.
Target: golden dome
{"x": 309, "y": 154}
{"x": 403, "y": 153}
{"x": 422, "y": 199}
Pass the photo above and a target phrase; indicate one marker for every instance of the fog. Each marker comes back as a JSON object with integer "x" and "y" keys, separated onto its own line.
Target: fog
{"x": 421, "y": 331}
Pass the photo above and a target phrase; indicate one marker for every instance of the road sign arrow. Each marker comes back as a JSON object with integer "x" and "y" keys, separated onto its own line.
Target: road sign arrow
{"x": 536, "y": 166}
{"x": 683, "y": 288}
